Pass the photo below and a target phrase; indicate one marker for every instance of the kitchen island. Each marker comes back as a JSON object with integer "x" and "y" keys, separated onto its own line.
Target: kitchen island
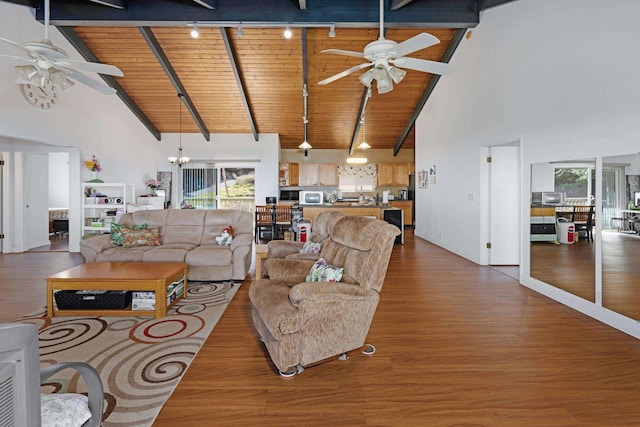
{"x": 375, "y": 211}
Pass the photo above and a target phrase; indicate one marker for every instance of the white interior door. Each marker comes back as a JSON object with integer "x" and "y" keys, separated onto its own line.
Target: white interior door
{"x": 504, "y": 205}
{"x": 36, "y": 198}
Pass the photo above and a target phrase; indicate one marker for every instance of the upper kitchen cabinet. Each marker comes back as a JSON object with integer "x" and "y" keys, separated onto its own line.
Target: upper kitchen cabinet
{"x": 289, "y": 173}
{"x": 318, "y": 174}
{"x": 393, "y": 174}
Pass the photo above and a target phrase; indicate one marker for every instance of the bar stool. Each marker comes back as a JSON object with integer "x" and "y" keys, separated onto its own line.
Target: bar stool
{"x": 618, "y": 223}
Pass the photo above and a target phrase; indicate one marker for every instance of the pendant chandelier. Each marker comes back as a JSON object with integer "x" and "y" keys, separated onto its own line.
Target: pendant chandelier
{"x": 180, "y": 159}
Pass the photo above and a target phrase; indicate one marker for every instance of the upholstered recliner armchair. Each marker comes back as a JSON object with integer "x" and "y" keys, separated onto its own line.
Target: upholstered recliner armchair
{"x": 303, "y": 323}
{"x": 321, "y": 226}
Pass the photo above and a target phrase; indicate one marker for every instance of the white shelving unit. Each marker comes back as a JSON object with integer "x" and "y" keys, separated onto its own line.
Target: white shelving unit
{"x": 118, "y": 196}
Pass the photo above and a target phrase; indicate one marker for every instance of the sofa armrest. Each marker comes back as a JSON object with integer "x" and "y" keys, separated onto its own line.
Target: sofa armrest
{"x": 282, "y": 248}
{"x": 244, "y": 239}
{"x": 92, "y": 246}
{"x": 289, "y": 270}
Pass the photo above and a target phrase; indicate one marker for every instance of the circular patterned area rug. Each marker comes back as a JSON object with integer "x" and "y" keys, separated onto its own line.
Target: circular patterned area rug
{"x": 140, "y": 359}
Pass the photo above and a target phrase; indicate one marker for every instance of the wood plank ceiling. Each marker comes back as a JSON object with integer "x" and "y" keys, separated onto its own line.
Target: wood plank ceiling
{"x": 271, "y": 69}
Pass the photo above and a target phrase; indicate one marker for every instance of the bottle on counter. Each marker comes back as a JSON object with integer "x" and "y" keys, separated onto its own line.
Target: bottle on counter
{"x": 361, "y": 199}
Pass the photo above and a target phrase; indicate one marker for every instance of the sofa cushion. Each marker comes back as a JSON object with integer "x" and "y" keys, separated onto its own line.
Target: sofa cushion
{"x": 184, "y": 226}
{"x": 217, "y": 220}
{"x": 209, "y": 255}
{"x": 120, "y": 254}
{"x": 165, "y": 254}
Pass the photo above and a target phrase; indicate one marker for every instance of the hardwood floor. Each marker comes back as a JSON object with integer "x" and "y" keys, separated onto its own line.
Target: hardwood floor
{"x": 457, "y": 344}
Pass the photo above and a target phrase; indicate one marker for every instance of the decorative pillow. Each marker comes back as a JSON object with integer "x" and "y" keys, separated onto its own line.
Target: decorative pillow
{"x": 323, "y": 272}
{"x": 141, "y": 237}
{"x": 311, "y": 248}
{"x": 116, "y": 232}
{"x": 64, "y": 409}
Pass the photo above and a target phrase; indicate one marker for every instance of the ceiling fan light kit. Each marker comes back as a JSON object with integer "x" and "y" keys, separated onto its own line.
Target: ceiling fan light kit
{"x": 382, "y": 53}
{"x": 48, "y": 63}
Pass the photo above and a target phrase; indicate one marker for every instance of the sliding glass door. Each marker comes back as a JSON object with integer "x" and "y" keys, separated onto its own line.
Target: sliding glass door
{"x": 206, "y": 186}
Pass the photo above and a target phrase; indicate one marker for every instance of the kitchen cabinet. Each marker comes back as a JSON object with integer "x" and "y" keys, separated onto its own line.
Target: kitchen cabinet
{"x": 393, "y": 174}
{"x": 289, "y": 173}
{"x": 318, "y": 174}
{"x": 407, "y": 207}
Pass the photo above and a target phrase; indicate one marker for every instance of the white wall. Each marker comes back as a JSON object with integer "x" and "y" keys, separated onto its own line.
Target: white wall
{"x": 532, "y": 70}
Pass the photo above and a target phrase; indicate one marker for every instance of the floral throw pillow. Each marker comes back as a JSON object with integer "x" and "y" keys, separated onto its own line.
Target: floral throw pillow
{"x": 142, "y": 237}
{"x": 323, "y": 272}
{"x": 116, "y": 232}
{"x": 311, "y": 248}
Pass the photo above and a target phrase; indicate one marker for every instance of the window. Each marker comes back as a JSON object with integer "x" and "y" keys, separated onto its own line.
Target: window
{"x": 357, "y": 178}
{"x": 206, "y": 186}
{"x": 577, "y": 182}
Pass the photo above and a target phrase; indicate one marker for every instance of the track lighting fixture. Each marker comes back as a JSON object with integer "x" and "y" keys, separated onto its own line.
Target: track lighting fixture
{"x": 194, "y": 31}
{"x": 332, "y": 30}
{"x": 240, "y": 33}
{"x": 287, "y": 33}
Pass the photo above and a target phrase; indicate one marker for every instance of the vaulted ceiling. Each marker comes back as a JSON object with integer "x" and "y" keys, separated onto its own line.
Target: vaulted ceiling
{"x": 253, "y": 82}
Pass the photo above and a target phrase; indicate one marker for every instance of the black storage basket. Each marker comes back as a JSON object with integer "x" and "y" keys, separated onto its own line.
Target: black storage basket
{"x": 79, "y": 300}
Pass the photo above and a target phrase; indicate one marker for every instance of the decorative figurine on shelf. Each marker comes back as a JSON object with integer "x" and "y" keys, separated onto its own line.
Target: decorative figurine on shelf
{"x": 94, "y": 166}
{"x": 153, "y": 185}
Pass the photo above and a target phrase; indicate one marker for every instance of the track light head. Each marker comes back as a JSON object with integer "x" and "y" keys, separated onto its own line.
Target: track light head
{"x": 194, "y": 32}
{"x": 287, "y": 33}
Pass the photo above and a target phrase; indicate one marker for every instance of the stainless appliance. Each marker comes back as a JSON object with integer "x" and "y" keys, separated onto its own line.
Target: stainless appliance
{"x": 271, "y": 200}
{"x": 402, "y": 194}
{"x": 315, "y": 197}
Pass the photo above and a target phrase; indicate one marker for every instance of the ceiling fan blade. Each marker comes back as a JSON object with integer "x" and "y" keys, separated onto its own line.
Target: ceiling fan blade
{"x": 18, "y": 45}
{"x": 423, "y": 65}
{"x": 86, "y": 80}
{"x": 419, "y": 42}
{"x": 94, "y": 67}
{"x": 344, "y": 52}
{"x": 345, "y": 73}
{"x": 23, "y": 59}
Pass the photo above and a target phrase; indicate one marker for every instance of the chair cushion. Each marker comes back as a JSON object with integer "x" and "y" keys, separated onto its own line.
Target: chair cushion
{"x": 64, "y": 410}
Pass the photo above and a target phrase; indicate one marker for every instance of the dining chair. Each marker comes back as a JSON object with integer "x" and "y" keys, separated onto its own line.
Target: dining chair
{"x": 282, "y": 220}
{"x": 583, "y": 220}
{"x": 265, "y": 220}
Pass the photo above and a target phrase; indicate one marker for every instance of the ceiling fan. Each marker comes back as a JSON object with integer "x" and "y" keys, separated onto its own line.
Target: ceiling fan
{"x": 388, "y": 57}
{"x": 46, "y": 63}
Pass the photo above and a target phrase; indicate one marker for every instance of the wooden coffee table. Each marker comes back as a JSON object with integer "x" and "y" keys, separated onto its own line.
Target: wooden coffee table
{"x": 118, "y": 276}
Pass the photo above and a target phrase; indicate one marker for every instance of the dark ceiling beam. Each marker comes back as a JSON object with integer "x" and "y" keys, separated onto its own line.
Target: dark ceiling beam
{"x": 231, "y": 52}
{"x": 397, "y": 4}
{"x": 117, "y": 4}
{"x": 453, "y": 45}
{"x": 155, "y": 47}
{"x": 346, "y": 13}
{"x": 356, "y": 130}
{"x": 79, "y": 45}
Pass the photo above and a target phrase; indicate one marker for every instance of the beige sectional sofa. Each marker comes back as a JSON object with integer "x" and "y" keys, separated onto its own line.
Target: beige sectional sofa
{"x": 186, "y": 235}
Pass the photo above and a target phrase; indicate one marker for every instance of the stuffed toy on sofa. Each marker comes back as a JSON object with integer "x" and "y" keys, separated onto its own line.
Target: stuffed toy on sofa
{"x": 226, "y": 237}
